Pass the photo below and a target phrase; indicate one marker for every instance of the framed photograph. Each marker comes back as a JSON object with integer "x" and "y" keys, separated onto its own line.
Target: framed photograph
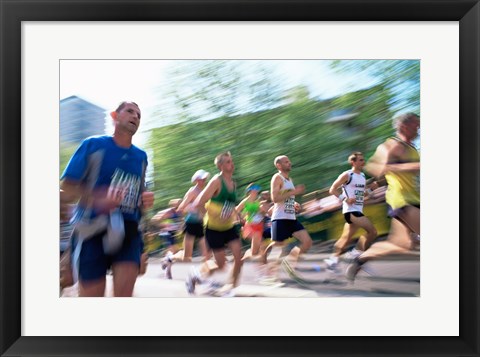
{"x": 35, "y": 36}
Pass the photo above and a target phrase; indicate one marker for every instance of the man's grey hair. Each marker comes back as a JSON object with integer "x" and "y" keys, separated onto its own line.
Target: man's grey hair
{"x": 277, "y": 159}
{"x": 404, "y": 118}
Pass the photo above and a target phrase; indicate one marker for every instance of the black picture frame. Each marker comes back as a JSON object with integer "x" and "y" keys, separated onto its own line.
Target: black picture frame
{"x": 13, "y": 12}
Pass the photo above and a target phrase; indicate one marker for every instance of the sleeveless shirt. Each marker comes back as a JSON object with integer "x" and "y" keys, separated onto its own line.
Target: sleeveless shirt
{"x": 252, "y": 211}
{"x": 355, "y": 187}
{"x": 404, "y": 187}
{"x": 285, "y": 209}
{"x": 220, "y": 206}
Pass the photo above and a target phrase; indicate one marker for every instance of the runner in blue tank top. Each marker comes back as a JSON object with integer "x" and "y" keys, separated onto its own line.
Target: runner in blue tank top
{"x": 104, "y": 174}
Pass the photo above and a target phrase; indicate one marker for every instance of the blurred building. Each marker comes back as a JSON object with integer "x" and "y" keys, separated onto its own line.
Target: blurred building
{"x": 80, "y": 119}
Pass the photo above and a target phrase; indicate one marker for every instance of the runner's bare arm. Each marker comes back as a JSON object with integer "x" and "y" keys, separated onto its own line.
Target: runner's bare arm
{"x": 208, "y": 192}
{"x": 276, "y": 185}
{"x": 341, "y": 179}
{"x": 270, "y": 211}
{"x": 70, "y": 191}
{"x": 148, "y": 197}
{"x": 377, "y": 163}
{"x": 241, "y": 205}
{"x": 161, "y": 215}
{"x": 297, "y": 206}
{"x": 396, "y": 158}
{"x": 188, "y": 198}
{"x": 386, "y": 158}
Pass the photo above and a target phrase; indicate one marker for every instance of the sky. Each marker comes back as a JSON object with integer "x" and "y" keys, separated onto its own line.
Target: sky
{"x": 108, "y": 82}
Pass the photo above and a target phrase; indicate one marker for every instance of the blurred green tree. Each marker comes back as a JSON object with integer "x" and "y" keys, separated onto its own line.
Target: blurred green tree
{"x": 211, "y": 106}
{"x": 317, "y": 135}
{"x": 66, "y": 152}
{"x": 401, "y": 77}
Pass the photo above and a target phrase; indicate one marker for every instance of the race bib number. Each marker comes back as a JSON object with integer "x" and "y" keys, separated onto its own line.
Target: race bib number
{"x": 290, "y": 205}
{"x": 359, "y": 197}
{"x": 128, "y": 185}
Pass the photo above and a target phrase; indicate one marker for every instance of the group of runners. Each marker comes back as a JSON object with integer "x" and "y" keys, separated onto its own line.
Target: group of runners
{"x": 107, "y": 174}
{"x": 223, "y": 222}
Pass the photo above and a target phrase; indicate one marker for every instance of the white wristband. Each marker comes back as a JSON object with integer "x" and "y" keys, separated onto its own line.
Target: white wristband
{"x": 342, "y": 197}
{"x": 369, "y": 191}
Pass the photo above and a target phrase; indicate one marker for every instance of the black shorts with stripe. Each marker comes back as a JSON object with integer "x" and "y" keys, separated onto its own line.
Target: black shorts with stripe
{"x": 349, "y": 214}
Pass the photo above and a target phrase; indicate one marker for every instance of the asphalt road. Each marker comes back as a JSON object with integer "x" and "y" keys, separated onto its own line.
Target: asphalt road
{"x": 394, "y": 276}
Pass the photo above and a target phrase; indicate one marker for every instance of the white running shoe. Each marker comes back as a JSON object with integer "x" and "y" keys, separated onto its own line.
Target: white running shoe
{"x": 352, "y": 254}
{"x": 332, "y": 263}
{"x": 167, "y": 259}
{"x": 167, "y": 262}
{"x": 192, "y": 279}
{"x": 213, "y": 287}
{"x": 229, "y": 294}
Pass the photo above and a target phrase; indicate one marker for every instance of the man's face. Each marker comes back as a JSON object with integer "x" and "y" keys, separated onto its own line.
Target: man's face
{"x": 201, "y": 182}
{"x": 284, "y": 164}
{"x": 410, "y": 129}
{"x": 128, "y": 118}
{"x": 359, "y": 163}
{"x": 227, "y": 164}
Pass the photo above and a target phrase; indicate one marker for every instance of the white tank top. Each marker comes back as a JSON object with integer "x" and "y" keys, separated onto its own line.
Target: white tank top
{"x": 285, "y": 209}
{"x": 355, "y": 187}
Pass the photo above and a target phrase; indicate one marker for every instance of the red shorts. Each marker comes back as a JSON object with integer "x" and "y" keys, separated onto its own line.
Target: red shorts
{"x": 252, "y": 228}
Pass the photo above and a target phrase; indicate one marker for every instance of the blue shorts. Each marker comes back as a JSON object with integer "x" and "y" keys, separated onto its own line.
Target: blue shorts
{"x": 267, "y": 233}
{"x": 94, "y": 263}
{"x": 218, "y": 240}
{"x": 283, "y": 229}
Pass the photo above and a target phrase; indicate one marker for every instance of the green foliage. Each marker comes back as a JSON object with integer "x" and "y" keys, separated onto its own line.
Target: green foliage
{"x": 213, "y": 106}
{"x": 317, "y": 147}
{"x": 400, "y": 77}
{"x": 66, "y": 152}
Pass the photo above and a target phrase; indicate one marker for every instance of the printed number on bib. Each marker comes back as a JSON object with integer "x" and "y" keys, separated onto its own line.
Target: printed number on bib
{"x": 290, "y": 205}
{"x": 359, "y": 196}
